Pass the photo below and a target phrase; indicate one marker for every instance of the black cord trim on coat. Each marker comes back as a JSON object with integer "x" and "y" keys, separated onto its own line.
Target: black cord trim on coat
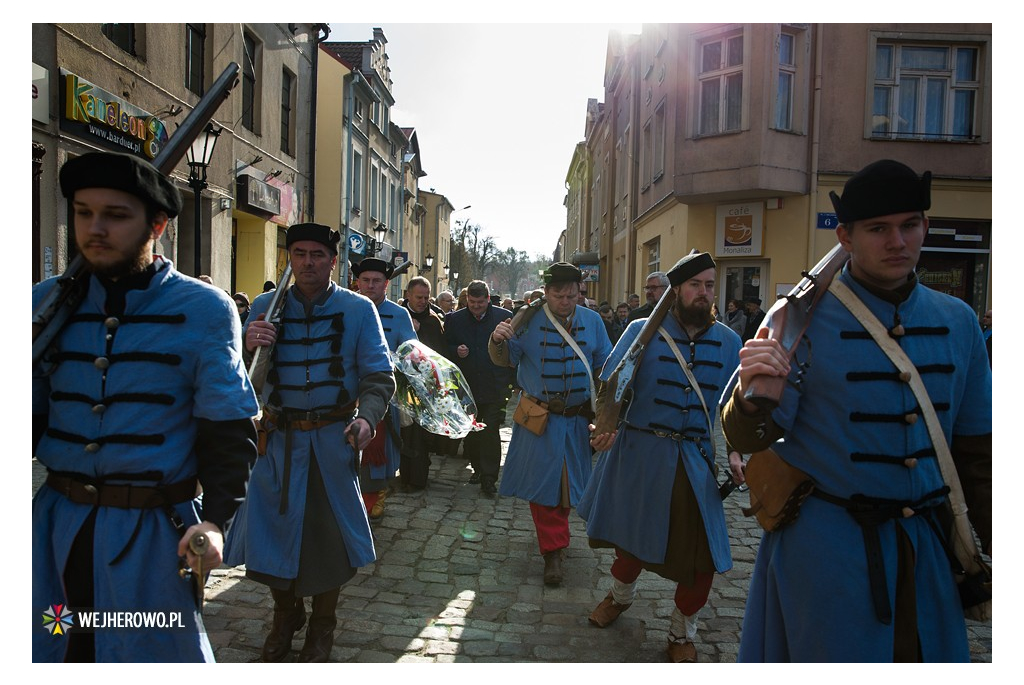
{"x": 121, "y": 438}
{"x": 89, "y": 358}
{"x": 129, "y": 318}
{"x": 311, "y": 385}
{"x": 564, "y": 375}
{"x": 148, "y": 398}
{"x": 897, "y": 460}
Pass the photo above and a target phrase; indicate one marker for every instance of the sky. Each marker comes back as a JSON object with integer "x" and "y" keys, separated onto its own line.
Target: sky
{"x": 498, "y": 110}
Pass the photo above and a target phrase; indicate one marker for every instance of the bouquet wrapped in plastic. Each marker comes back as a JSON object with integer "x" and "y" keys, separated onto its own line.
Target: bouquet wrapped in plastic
{"x": 433, "y": 392}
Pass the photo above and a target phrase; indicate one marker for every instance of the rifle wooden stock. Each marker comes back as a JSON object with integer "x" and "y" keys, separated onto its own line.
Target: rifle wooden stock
{"x": 401, "y": 269}
{"x": 609, "y": 408}
{"x": 260, "y": 366}
{"x": 499, "y": 354}
{"x": 60, "y": 303}
{"x": 788, "y": 320}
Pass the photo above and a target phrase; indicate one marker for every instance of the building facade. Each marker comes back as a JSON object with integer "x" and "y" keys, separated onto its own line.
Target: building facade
{"x": 125, "y": 87}
{"x": 734, "y": 135}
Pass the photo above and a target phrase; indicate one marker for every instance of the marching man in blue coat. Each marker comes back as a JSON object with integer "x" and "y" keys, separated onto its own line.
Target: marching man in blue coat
{"x": 303, "y": 530}
{"x": 864, "y": 572}
{"x": 382, "y": 458}
{"x": 557, "y": 354}
{"x": 141, "y": 394}
{"x": 654, "y": 494}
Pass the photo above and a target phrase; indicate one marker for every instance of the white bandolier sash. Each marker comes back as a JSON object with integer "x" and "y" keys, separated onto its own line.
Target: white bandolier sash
{"x": 693, "y": 383}
{"x": 963, "y": 537}
{"x": 579, "y": 353}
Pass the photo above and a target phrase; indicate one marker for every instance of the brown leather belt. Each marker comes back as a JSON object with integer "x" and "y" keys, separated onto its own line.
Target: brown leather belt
{"x": 308, "y": 420}
{"x": 121, "y": 495}
{"x": 576, "y": 410}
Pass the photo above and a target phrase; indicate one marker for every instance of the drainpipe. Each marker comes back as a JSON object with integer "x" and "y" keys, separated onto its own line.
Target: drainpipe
{"x": 812, "y": 203}
{"x": 312, "y": 109}
{"x": 349, "y": 113}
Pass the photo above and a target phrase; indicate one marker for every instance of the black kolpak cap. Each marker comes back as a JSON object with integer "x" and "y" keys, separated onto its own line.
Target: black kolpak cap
{"x": 562, "y": 272}
{"x": 123, "y": 172}
{"x": 882, "y": 188}
{"x": 689, "y": 266}
{"x": 373, "y": 264}
{"x": 753, "y": 300}
{"x": 319, "y": 233}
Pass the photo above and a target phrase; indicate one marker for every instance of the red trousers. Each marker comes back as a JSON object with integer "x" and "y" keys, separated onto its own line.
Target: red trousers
{"x": 552, "y": 524}
{"x": 689, "y": 600}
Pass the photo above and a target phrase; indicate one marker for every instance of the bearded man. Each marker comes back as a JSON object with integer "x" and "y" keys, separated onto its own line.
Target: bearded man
{"x": 654, "y": 494}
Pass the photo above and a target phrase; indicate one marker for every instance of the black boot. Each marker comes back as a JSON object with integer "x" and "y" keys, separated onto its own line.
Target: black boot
{"x": 320, "y": 632}
{"x": 289, "y": 617}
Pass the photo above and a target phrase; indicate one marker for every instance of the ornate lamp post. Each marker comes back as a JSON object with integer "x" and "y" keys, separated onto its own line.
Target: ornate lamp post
{"x": 199, "y": 155}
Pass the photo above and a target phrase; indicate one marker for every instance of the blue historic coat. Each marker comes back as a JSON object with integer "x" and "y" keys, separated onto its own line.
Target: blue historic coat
{"x": 548, "y": 366}
{"x": 810, "y": 598}
{"x": 174, "y": 356}
{"x": 398, "y": 328}
{"x": 340, "y": 343}
{"x": 641, "y": 467}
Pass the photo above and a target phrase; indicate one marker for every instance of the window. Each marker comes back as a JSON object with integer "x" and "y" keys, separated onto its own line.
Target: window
{"x": 249, "y": 83}
{"x": 195, "y": 57}
{"x": 287, "y": 96}
{"x": 653, "y": 250}
{"x": 360, "y": 109}
{"x": 121, "y": 35}
{"x": 787, "y": 79}
{"x": 646, "y": 153}
{"x": 373, "y": 192}
{"x": 658, "y": 158}
{"x": 926, "y": 91}
{"x": 720, "y": 81}
{"x": 357, "y": 181}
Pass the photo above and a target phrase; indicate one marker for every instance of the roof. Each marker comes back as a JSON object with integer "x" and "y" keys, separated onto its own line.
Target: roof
{"x": 349, "y": 54}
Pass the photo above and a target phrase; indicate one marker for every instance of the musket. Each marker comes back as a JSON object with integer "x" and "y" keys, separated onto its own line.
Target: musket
{"x": 499, "y": 353}
{"x": 622, "y": 376}
{"x": 788, "y": 319}
{"x": 54, "y": 310}
{"x": 260, "y": 365}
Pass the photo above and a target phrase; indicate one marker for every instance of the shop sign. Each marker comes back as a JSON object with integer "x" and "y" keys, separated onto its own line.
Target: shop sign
{"x": 738, "y": 229}
{"x": 253, "y": 193}
{"x": 92, "y": 113}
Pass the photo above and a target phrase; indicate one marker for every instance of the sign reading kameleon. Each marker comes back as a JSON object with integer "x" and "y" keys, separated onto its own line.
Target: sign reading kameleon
{"x": 739, "y": 229}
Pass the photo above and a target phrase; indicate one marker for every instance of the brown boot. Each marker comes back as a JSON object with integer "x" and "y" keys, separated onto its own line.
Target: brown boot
{"x": 607, "y": 611}
{"x": 320, "y": 633}
{"x": 682, "y": 652}
{"x": 553, "y": 567}
{"x": 289, "y": 617}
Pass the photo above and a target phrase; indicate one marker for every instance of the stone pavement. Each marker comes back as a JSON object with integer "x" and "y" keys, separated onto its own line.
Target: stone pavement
{"x": 458, "y": 579}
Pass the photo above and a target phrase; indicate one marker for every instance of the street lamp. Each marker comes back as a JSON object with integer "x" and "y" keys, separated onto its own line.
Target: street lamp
{"x": 376, "y": 243}
{"x": 429, "y": 262}
{"x": 199, "y": 155}
{"x": 446, "y": 271}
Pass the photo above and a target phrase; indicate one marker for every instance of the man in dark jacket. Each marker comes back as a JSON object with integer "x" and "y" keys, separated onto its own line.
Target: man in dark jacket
{"x": 466, "y": 332}
{"x": 416, "y": 441}
{"x": 755, "y": 316}
{"x": 657, "y": 284}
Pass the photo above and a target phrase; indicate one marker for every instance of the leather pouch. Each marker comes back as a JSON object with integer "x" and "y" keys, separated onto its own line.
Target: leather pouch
{"x": 776, "y": 490}
{"x": 530, "y": 415}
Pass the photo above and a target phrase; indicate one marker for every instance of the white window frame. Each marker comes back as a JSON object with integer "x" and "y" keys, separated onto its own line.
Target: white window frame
{"x": 896, "y": 82}
{"x": 725, "y": 73}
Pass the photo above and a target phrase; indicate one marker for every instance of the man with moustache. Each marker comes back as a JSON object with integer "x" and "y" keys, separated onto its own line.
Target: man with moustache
{"x": 142, "y": 394}
{"x": 663, "y": 512}
{"x": 551, "y": 470}
{"x": 304, "y": 530}
{"x": 657, "y": 283}
{"x": 382, "y": 458}
{"x": 446, "y": 301}
{"x": 416, "y": 440}
{"x": 864, "y": 573}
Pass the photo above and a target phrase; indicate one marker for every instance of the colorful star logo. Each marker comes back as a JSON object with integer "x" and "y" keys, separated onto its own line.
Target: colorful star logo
{"x": 58, "y": 619}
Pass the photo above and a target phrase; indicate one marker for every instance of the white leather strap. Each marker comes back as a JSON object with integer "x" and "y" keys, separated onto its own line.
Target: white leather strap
{"x": 579, "y": 353}
{"x": 693, "y": 384}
